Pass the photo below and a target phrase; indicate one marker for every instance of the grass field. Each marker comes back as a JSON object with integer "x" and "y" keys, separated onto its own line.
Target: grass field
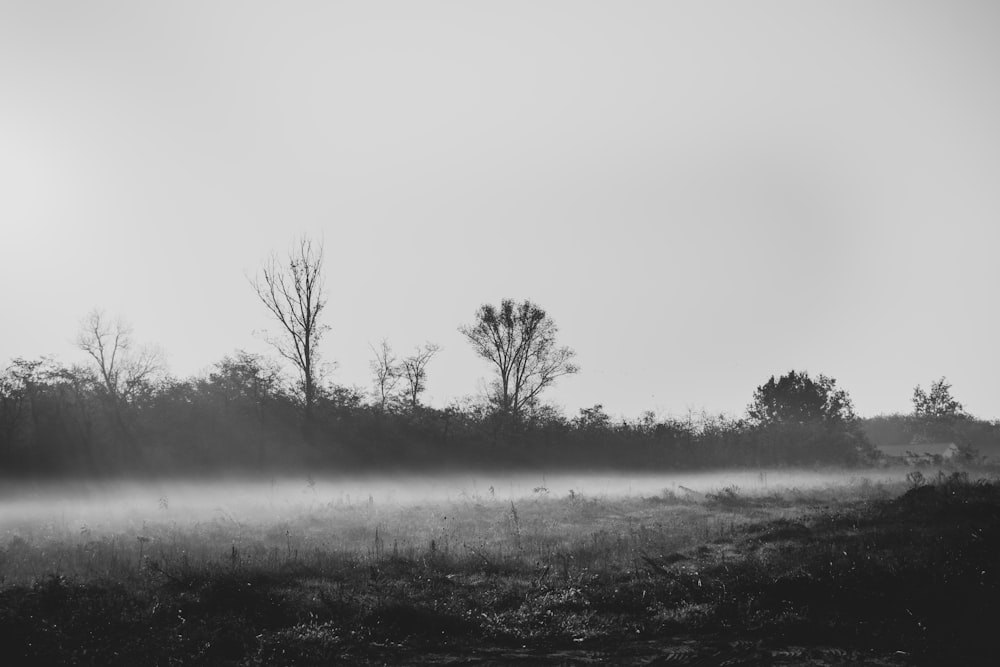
{"x": 774, "y": 567}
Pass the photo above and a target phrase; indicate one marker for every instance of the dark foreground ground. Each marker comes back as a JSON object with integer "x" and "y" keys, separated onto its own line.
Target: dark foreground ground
{"x": 913, "y": 579}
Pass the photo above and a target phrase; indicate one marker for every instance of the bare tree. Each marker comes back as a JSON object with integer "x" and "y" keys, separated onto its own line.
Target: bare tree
{"x": 106, "y": 344}
{"x": 520, "y": 341}
{"x": 292, "y": 291}
{"x": 414, "y": 371}
{"x": 123, "y": 370}
{"x": 387, "y": 374}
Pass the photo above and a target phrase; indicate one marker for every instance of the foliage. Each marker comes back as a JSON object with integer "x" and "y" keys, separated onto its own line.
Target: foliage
{"x": 799, "y": 419}
{"x": 938, "y": 417}
{"x": 936, "y": 404}
{"x": 519, "y": 340}
{"x": 593, "y": 418}
{"x": 244, "y": 414}
{"x": 795, "y": 398}
{"x": 893, "y": 430}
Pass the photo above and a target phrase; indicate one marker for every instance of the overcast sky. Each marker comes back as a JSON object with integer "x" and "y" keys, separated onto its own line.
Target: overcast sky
{"x": 701, "y": 194}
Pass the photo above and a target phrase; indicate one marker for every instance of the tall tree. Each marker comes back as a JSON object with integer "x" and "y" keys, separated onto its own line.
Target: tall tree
{"x": 519, "y": 340}
{"x": 292, "y": 292}
{"x": 414, "y": 373}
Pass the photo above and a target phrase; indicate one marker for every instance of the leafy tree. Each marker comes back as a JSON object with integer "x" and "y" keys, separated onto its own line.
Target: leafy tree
{"x": 47, "y": 416}
{"x": 936, "y": 404}
{"x": 937, "y": 413}
{"x": 15, "y": 388}
{"x": 797, "y": 398}
{"x": 593, "y": 418}
{"x": 519, "y": 340}
{"x": 245, "y": 381}
{"x": 803, "y": 420}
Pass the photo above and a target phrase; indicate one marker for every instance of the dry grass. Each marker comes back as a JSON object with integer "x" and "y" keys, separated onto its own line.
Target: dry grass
{"x": 568, "y": 578}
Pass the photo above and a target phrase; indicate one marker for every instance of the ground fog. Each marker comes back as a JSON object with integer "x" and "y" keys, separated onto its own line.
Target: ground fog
{"x": 735, "y": 567}
{"x": 110, "y": 506}
{"x": 127, "y": 530}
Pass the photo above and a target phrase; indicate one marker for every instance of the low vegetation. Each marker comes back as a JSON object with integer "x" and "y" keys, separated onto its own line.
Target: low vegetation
{"x": 866, "y": 572}
{"x": 122, "y": 413}
{"x": 58, "y": 422}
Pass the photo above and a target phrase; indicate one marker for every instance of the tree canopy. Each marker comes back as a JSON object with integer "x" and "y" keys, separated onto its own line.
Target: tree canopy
{"x": 797, "y": 398}
{"x": 519, "y": 340}
{"x": 937, "y": 404}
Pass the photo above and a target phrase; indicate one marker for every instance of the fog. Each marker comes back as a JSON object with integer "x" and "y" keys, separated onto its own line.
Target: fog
{"x": 107, "y": 505}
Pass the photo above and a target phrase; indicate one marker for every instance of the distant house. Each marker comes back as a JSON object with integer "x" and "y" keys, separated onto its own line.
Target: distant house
{"x": 923, "y": 453}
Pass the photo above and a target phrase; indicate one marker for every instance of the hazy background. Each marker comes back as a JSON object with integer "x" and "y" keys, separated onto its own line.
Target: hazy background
{"x": 701, "y": 194}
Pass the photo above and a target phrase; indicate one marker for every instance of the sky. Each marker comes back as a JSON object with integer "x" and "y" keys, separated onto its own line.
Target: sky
{"x": 700, "y": 194}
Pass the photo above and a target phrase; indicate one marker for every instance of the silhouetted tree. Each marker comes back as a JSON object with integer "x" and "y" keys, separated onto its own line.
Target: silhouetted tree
{"x": 799, "y": 419}
{"x": 937, "y": 412}
{"x": 797, "y": 398}
{"x": 124, "y": 371}
{"x": 387, "y": 374}
{"x": 46, "y": 414}
{"x": 244, "y": 401}
{"x": 292, "y": 291}
{"x": 937, "y": 404}
{"x": 15, "y": 385}
{"x": 246, "y": 382}
{"x": 592, "y": 419}
{"x": 414, "y": 373}
{"x": 520, "y": 341}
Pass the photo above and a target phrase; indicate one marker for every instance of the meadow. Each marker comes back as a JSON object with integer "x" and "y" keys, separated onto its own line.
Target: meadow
{"x": 826, "y": 566}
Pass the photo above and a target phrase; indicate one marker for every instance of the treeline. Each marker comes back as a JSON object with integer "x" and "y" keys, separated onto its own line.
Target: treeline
{"x": 243, "y": 416}
{"x": 121, "y": 412}
{"x": 975, "y": 438}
